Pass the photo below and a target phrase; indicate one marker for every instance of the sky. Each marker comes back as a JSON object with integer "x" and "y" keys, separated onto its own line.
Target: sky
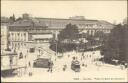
{"x": 111, "y": 11}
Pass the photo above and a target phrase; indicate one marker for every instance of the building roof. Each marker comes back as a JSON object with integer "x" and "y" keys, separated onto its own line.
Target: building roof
{"x": 66, "y": 19}
{"x": 57, "y": 23}
{"x": 28, "y": 23}
{"x": 105, "y": 22}
{"x": 73, "y": 21}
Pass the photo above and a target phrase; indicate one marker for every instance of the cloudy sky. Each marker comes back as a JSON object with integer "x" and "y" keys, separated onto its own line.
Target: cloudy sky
{"x": 100, "y": 10}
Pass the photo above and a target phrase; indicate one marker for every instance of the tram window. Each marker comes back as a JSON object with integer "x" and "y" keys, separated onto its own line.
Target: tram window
{"x": 77, "y": 66}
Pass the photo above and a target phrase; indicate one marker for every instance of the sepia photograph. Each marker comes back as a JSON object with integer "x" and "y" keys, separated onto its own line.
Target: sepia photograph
{"x": 64, "y": 41}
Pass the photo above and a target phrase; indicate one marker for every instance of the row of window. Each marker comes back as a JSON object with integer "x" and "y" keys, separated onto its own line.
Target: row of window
{"x": 18, "y": 33}
{"x": 94, "y": 31}
{"x": 17, "y": 45}
{"x": 62, "y": 24}
{"x": 18, "y": 36}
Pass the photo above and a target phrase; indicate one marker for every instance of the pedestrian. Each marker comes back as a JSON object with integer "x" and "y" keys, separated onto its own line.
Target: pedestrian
{"x": 48, "y": 66}
{"x": 126, "y": 65}
{"x": 64, "y": 67}
{"x": 30, "y": 69}
{"x": 74, "y": 58}
{"x": 83, "y": 64}
{"x": 29, "y": 64}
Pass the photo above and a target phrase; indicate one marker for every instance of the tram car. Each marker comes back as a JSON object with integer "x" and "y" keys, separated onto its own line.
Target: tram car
{"x": 75, "y": 66}
{"x": 42, "y": 62}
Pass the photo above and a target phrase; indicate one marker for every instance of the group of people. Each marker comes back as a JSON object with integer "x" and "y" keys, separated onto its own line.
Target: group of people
{"x": 85, "y": 58}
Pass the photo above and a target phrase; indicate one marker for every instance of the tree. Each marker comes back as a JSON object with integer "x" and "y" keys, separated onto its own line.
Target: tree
{"x": 116, "y": 46}
{"x": 99, "y": 34}
{"x": 70, "y": 32}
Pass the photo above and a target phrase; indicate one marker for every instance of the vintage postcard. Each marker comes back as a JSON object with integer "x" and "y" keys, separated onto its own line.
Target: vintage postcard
{"x": 64, "y": 41}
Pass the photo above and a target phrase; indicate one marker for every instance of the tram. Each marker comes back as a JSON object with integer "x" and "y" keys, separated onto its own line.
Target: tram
{"x": 75, "y": 65}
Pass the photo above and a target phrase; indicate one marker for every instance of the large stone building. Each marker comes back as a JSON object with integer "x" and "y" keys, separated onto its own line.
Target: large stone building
{"x": 84, "y": 25}
{"x": 41, "y": 30}
{"x": 25, "y": 31}
{"x": 4, "y": 33}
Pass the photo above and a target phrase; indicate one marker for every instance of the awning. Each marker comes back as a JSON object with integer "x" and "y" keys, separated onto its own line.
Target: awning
{"x": 43, "y": 36}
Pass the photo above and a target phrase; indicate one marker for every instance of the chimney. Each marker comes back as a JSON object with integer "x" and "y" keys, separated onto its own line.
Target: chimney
{"x": 25, "y": 16}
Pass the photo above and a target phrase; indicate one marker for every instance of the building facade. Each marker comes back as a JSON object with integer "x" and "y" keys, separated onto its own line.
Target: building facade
{"x": 84, "y": 25}
{"x": 41, "y": 30}
{"x": 26, "y": 31}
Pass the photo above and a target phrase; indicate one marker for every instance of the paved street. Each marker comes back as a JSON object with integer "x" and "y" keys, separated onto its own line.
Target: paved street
{"x": 92, "y": 72}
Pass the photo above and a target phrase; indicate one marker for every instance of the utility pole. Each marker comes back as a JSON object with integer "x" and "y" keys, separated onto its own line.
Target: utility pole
{"x": 56, "y": 42}
{"x": 56, "y": 48}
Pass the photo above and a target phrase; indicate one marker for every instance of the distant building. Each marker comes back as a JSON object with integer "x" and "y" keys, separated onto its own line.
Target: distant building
{"x": 25, "y": 16}
{"x": 8, "y": 58}
{"x": 25, "y": 31}
{"x": 87, "y": 26}
{"x": 41, "y": 30}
